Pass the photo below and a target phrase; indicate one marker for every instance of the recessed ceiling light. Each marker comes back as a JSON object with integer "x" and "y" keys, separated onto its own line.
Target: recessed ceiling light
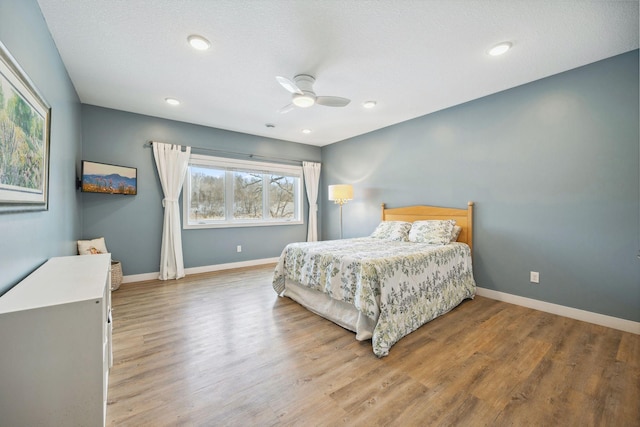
{"x": 306, "y": 130}
{"x": 500, "y": 48}
{"x": 172, "y": 101}
{"x": 198, "y": 42}
{"x": 369, "y": 104}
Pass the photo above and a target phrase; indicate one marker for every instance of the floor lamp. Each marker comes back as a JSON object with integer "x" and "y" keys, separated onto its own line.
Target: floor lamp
{"x": 340, "y": 194}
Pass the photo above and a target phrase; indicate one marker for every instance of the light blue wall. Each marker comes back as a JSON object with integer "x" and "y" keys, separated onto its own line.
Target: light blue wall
{"x": 553, "y": 167}
{"x": 132, "y": 225}
{"x": 28, "y": 239}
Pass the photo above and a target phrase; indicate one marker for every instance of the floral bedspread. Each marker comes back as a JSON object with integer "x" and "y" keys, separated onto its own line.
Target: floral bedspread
{"x": 400, "y": 285}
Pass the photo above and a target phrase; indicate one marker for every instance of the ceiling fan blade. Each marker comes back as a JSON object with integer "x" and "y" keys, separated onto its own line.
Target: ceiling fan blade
{"x": 288, "y": 85}
{"x": 332, "y": 101}
{"x": 286, "y": 109}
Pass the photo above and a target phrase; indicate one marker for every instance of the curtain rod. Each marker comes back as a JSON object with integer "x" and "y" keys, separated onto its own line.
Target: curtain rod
{"x": 237, "y": 153}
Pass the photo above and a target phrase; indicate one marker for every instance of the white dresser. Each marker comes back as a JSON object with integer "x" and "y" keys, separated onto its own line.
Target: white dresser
{"x": 55, "y": 344}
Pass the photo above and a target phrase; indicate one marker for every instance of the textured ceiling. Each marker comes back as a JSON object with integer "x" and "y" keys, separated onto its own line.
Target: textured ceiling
{"x": 412, "y": 57}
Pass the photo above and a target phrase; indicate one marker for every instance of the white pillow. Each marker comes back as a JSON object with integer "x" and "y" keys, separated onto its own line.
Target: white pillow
{"x": 392, "y": 230}
{"x": 91, "y": 247}
{"x": 434, "y": 232}
{"x": 455, "y": 233}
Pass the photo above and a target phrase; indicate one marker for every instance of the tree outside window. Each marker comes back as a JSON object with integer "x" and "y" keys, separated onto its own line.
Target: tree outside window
{"x": 229, "y": 192}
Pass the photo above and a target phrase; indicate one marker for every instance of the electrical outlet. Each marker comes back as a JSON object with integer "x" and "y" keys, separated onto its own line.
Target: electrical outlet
{"x": 534, "y": 276}
{"x": 239, "y": 248}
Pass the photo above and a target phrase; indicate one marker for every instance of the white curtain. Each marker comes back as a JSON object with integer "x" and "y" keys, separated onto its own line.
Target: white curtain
{"x": 311, "y": 182}
{"x": 172, "y": 165}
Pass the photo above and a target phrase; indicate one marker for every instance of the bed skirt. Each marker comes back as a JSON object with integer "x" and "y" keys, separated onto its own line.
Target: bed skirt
{"x": 339, "y": 312}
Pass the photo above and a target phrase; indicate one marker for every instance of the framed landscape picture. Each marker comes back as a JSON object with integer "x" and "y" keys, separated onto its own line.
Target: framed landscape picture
{"x": 24, "y": 140}
{"x": 108, "y": 179}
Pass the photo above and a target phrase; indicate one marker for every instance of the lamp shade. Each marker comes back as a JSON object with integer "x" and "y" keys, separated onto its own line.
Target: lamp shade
{"x": 340, "y": 192}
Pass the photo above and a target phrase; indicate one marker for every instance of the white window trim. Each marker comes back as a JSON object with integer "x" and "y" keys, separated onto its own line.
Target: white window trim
{"x": 242, "y": 165}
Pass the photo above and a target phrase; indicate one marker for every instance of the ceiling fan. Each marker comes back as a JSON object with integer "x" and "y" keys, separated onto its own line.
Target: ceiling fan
{"x": 303, "y": 95}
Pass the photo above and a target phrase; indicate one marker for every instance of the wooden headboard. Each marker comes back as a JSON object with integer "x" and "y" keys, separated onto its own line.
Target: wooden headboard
{"x": 463, "y": 217}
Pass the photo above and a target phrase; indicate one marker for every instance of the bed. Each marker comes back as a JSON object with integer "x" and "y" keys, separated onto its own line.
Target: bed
{"x": 383, "y": 287}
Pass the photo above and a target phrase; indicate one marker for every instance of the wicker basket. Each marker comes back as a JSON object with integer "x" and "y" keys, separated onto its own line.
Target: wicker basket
{"x": 116, "y": 275}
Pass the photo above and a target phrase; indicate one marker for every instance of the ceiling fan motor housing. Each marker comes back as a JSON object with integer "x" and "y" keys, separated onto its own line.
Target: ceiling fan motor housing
{"x": 305, "y": 84}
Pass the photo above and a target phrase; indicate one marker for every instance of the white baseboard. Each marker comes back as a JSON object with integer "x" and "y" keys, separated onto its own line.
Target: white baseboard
{"x": 561, "y": 310}
{"x": 204, "y": 269}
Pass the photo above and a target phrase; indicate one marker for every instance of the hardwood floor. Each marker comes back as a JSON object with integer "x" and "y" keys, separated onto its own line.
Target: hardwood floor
{"x": 221, "y": 349}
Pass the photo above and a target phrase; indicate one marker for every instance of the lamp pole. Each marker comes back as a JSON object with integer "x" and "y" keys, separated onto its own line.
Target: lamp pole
{"x": 341, "y": 203}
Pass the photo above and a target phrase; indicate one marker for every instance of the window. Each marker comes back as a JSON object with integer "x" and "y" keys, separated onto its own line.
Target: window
{"x": 222, "y": 192}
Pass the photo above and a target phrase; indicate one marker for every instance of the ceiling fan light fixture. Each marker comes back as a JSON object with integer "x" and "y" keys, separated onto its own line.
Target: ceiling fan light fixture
{"x": 500, "y": 48}
{"x": 303, "y": 101}
{"x": 198, "y": 42}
